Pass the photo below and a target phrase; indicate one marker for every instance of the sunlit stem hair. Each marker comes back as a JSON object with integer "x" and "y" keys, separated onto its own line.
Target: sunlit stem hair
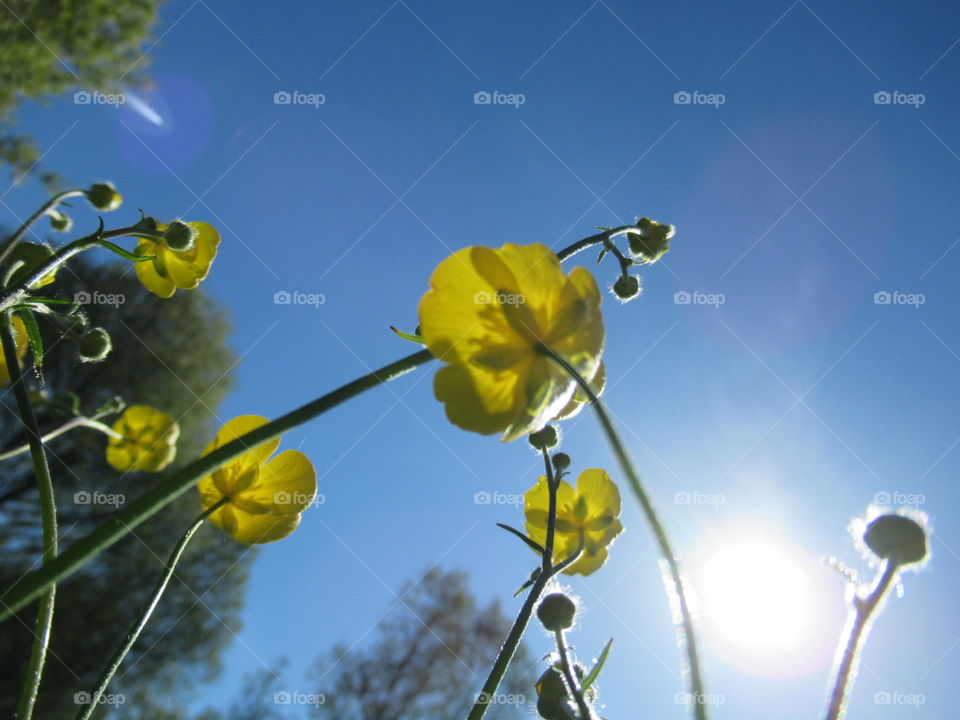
{"x": 674, "y": 579}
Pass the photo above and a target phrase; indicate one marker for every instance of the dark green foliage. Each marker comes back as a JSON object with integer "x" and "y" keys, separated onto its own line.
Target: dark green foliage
{"x": 171, "y": 354}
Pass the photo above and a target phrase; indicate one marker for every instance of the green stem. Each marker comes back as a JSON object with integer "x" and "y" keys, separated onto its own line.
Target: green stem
{"x": 572, "y": 685}
{"x": 12, "y": 296}
{"x": 44, "y": 209}
{"x": 48, "y": 514}
{"x": 88, "y": 547}
{"x": 134, "y": 632}
{"x": 858, "y": 626}
{"x": 675, "y": 588}
{"x": 509, "y": 647}
{"x": 66, "y": 427}
{"x": 598, "y": 239}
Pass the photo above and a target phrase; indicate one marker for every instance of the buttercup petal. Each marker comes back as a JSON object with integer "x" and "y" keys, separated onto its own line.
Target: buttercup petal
{"x": 236, "y": 428}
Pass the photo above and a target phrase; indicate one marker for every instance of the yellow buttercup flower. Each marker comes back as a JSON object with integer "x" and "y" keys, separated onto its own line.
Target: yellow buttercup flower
{"x": 488, "y": 314}
{"x": 592, "y": 512}
{"x": 148, "y": 443}
{"x": 173, "y": 269}
{"x": 20, "y": 340}
{"x": 265, "y": 497}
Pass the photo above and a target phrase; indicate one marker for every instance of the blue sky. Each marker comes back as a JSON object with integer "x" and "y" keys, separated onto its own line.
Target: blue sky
{"x": 782, "y": 400}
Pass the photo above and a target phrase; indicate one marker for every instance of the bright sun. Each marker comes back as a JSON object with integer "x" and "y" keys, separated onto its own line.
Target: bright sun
{"x": 757, "y": 598}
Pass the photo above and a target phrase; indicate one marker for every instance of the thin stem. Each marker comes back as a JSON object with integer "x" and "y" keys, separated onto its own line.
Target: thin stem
{"x": 66, "y": 427}
{"x": 509, "y": 647}
{"x": 154, "y": 500}
{"x": 677, "y": 591}
{"x": 137, "y": 627}
{"x": 44, "y": 209}
{"x": 598, "y": 239}
{"x": 48, "y": 514}
{"x": 858, "y": 627}
{"x": 572, "y": 685}
{"x": 14, "y": 295}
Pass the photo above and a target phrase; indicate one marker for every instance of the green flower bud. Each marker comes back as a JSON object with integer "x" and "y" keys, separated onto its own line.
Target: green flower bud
{"x": 103, "y": 196}
{"x": 59, "y": 221}
{"x": 561, "y": 461}
{"x": 651, "y": 241}
{"x": 545, "y": 439}
{"x": 551, "y": 695}
{"x": 31, "y": 256}
{"x": 627, "y": 287}
{"x": 897, "y": 538}
{"x": 95, "y": 345}
{"x": 179, "y": 236}
{"x": 556, "y": 612}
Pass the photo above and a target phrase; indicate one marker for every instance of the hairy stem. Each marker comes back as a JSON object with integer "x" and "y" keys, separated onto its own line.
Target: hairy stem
{"x": 22, "y": 230}
{"x": 675, "y": 587}
{"x": 48, "y": 514}
{"x": 154, "y": 500}
{"x": 858, "y": 626}
{"x": 134, "y": 632}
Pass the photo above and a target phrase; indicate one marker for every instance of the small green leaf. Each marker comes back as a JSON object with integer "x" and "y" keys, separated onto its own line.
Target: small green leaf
{"x": 537, "y": 547}
{"x": 408, "y": 336}
{"x": 603, "y": 254}
{"x": 126, "y": 254}
{"x": 592, "y": 676}
{"x": 48, "y": 300}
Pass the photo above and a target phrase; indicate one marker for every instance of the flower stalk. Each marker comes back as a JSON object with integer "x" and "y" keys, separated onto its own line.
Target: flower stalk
{"x": 675, "y": 587}
{"x": 48, "y": 514}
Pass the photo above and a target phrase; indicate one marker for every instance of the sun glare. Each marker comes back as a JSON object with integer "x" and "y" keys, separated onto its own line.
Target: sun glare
{"x": 758, "y": 599}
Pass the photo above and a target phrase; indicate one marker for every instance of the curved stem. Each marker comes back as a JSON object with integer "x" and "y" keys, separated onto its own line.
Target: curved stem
{"x": 44, "y": 209}
{"x": 572, "y": 685}
{"x": 66, "y": 427}
{"x": 547, "y": 571}
{"x": 675, "y": 588}
{"x": 88, "y": 547}
{"x": 598, "y": 239}
{"x": 48, "y": 512}
{"x": 858, "y": 626}
{"x": 12, "y": 296}
{"x": 134, "y": 632}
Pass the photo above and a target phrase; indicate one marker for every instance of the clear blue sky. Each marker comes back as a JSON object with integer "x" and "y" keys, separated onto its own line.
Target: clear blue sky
{"x": 797, "y": 199}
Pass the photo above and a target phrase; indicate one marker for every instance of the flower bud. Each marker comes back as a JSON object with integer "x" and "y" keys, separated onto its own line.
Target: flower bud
{"x": 544, "y": 439}
{"x": 651, "y": 241}
{"x": 59, "y": 221}
{"x": 627, "y": 287}
{"x": 556, "y": 612}
{"x": 897, "y": 538}
{"x": 95, "y": 345}
{"x": 179, "y": 236}
{"x": 561, "y": 461}
{"x": 103, "y": 196}
{"x": 32, "y": 256}
{"x": 551, "y": 695}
